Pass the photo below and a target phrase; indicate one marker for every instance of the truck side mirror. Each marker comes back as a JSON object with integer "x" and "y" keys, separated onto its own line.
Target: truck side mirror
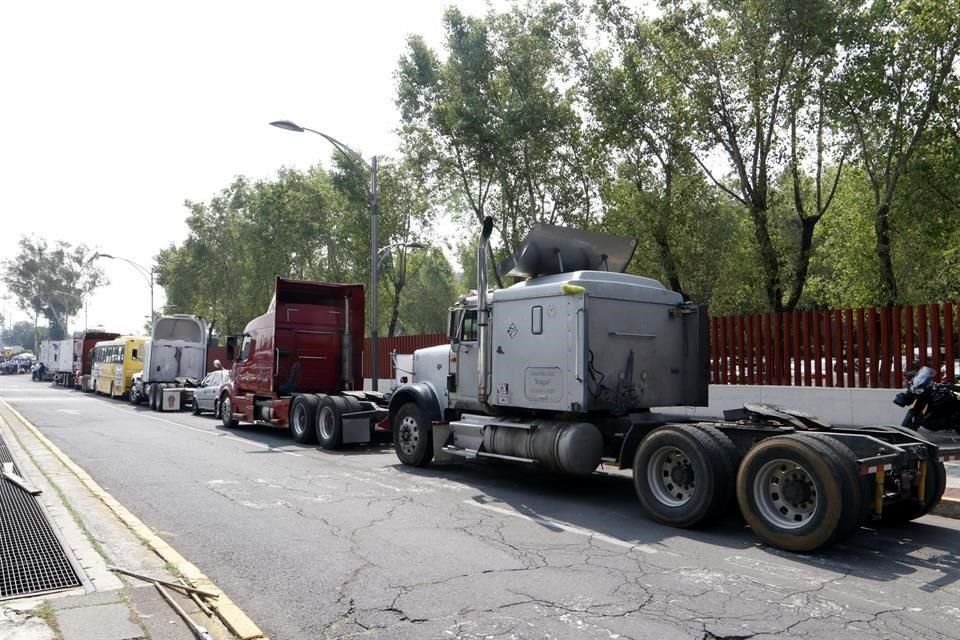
{"x": 231, "y": 347}
{"x": 455, "y": 338}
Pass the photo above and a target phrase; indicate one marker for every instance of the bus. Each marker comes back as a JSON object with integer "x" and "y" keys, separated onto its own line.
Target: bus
{"x": 114, "y": 363}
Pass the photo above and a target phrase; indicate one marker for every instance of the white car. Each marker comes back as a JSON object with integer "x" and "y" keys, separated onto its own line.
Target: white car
{"x": 206, "y": 397}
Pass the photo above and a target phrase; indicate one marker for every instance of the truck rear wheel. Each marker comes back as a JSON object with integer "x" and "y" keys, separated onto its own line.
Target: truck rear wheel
{"x": 859, "y": 501}
{"x": 796, "y": 492}
{"x": 681, "y": 475}
{"x": 936, "y": 485}
{"x": 412, "y": 439}
{"x": 329, "y": 424}
{"x": 303, "y": 413}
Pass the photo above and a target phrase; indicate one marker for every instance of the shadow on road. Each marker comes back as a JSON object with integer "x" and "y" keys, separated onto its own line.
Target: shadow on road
{"x": 606, "y": 504}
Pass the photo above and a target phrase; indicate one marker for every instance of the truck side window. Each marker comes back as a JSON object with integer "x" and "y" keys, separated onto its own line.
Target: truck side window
{"x": 245, "y": 348}
{"x": 469, "y": 326}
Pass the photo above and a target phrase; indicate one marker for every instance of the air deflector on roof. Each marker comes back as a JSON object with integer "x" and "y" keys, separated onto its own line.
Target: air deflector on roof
{"x": 549, "y": 249}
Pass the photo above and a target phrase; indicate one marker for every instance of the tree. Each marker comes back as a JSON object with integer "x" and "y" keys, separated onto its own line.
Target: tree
{"x": 406, "y": 213}
{"x": 739, "y": 64}
{"x": 430, "y": 293}
{"x": 496, "y": 122}
{"x": 51, "y": 280}
{"x": 643, "y": 117}
{"x": 22, "y": 334}
{"x": 899, "y": 67}
{"x": 249, "y": 233}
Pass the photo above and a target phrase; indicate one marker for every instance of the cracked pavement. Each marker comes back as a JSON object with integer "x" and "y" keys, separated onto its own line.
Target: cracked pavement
{"x": 316, "y": 544}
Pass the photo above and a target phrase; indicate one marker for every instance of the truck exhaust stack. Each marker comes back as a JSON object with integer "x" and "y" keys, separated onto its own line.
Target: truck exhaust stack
{"x": 483, "y": 314}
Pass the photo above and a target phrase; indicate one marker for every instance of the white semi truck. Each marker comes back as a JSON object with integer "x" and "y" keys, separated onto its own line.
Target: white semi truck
{"x": 174, "y": 362}
{"x": 63, "y": 361}
{"x": 46, "y": 361}
{"x": 561, "y": 371}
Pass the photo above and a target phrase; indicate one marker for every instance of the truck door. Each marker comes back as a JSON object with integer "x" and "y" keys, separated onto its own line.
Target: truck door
{"x": 467, "y": 358}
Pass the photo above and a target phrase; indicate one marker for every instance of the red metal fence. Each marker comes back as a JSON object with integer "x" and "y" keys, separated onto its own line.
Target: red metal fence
{"x": 839, "y": 348}
{"x": 400, "y": 344}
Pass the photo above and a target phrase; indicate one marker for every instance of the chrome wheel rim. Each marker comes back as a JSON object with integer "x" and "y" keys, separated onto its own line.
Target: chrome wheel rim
{"x": 786, "y": 494}
{"x": 299, "y": 418}
{"x": 225, "y": 409}
{"x": 326, "y": 423}
{"x": 670, "y": 476}
{"x": 409, "y": 435}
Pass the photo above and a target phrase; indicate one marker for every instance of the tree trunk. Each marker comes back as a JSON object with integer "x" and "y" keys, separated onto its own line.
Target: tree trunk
{"x": 803, "y": 261}
{"x": 888, "y": 280}
{"x": 395, "y": 312}
{"x": 768, "y": 258}
{"x": 661, "y": 234}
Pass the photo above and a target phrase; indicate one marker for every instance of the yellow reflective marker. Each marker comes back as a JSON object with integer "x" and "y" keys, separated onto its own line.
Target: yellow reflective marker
{"x": 572, "y": 289}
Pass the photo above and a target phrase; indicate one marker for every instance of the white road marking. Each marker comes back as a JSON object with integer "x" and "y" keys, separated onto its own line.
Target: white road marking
{"x": 644, "y": 548}
{"x": 69, "y": 412}
{"x": 51, "y": 400}
{"x": 208, "y": 432}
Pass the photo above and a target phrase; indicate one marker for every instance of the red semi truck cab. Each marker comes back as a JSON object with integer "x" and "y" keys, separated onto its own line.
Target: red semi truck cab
{"x": 300, "y": 356}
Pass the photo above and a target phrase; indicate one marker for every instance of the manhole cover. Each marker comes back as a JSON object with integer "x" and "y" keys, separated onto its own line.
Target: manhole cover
{"x": 32, "y": 561}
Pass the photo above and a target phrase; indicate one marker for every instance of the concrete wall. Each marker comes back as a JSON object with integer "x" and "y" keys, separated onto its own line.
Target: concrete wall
{"x": 837, "y": 406}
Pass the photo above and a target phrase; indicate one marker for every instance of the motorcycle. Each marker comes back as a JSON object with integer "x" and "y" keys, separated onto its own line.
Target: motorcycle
{"x": 933, "y": 405}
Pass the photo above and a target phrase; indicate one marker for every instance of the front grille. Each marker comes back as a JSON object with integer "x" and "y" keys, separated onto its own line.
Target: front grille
{"x": 32, "y": 560}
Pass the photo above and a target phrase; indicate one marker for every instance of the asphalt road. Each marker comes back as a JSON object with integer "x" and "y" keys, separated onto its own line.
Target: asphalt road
{"x": 314, "y": 544}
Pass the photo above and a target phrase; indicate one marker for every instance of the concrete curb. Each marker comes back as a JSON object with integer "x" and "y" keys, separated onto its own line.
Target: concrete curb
{"x": 948, "y": 508}
{"x": 229, "y": 613}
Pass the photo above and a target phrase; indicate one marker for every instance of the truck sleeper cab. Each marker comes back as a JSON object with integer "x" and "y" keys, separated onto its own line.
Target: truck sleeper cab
{"x": 295, "y": 367}
{"x": 174, "y": 362}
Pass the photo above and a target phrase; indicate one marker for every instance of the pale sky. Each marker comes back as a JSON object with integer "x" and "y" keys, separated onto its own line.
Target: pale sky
{"x": 114, "y": 113}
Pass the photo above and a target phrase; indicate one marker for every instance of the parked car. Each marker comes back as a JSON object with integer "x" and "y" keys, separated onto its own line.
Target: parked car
{"x": 206, "y": 397}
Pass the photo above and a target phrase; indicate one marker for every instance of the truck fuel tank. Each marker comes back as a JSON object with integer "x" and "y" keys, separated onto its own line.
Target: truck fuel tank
{"x": 570, "y": 447}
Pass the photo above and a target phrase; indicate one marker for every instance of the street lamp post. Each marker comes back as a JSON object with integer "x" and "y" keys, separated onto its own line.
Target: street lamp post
{"x": 374, "y": 263}
{"x": 384, "y": 251}
{"x": 142, "y": 270}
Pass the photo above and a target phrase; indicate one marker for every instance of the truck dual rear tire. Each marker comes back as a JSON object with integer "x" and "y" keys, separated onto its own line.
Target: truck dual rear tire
{"x": 329, "y": 428}
{"x": 412, "y": 436}
{"x": 683, "y": 475}
{"x": 330, "y": 419}
{"x": 303, "y": 412}
{"x": 799, "y": 493}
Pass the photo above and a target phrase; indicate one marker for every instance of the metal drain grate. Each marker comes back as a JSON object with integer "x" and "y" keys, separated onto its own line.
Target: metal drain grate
{"x": 32, "y": 561}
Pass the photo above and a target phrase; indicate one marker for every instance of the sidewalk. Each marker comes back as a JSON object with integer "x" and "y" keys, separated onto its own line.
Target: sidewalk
{"x": 97, "y": 531}
{"x": 950, "y": 504}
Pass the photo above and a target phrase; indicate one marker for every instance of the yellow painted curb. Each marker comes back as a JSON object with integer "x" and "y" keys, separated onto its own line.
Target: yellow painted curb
{"x": 229, "y": 613}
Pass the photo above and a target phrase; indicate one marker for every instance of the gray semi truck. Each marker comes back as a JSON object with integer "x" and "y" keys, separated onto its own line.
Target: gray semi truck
{"x": 174, "y": 362}
{"x": 563, "y": 370}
